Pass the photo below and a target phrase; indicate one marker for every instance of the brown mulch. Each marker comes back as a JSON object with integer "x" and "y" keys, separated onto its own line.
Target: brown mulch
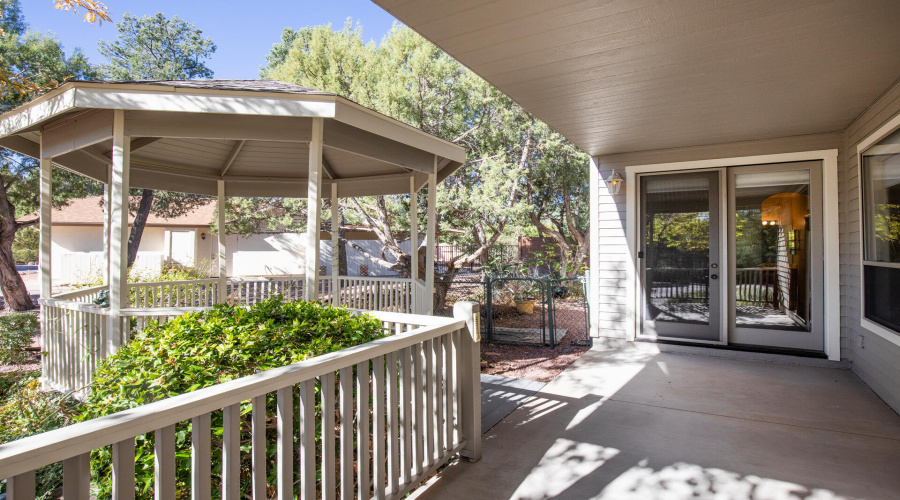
{"x": 538, "y": 363}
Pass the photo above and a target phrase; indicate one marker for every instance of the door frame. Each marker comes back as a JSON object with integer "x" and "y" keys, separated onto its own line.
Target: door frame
{"x": 724, "y": 273}
{"x": 830, "y": 235}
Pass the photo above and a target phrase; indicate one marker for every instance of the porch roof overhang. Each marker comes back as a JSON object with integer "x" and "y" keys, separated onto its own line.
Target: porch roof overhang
{"x": 252, "y": 134}
{"x": 630, "y": 76}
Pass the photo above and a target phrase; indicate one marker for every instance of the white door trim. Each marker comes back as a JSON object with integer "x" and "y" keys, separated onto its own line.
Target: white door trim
{"x": 830, "y": 235}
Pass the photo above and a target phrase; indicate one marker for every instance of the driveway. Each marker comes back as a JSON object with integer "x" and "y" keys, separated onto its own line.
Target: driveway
{"x": 634, "y": 422}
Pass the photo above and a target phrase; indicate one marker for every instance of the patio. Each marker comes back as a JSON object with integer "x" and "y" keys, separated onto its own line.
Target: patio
{"x": 656, "y": 421}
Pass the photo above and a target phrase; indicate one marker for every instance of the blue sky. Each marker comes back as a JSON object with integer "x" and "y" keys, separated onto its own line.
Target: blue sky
{"x": 243, "y": 31}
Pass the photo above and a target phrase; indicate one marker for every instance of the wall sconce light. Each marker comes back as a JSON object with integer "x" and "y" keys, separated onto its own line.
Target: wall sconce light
{"x": 614, "y": 183}
{"x": 202, "y": 236}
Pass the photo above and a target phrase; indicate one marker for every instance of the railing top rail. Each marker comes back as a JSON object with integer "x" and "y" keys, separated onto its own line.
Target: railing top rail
{"x": 239, "y": 279}
{"x": 138, "y": 312}
{"x": 27, "y": 454}
{"x": 73, "y": 306}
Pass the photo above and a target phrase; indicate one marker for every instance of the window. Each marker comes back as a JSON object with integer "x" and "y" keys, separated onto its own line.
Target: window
{"x": 880, "y": 170}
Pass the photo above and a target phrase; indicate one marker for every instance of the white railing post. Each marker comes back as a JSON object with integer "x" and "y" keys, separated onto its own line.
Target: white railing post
{"x": 223, "y": 251}
{"x": 470, "y": 378}
{"x": 118, "y": 230}
{"x": 314, "y": 211}
{"x": 335, "y": 245}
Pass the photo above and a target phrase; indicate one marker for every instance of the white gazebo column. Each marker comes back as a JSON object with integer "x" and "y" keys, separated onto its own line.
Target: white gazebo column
{"x": 414, "y": 242}
{"x": 222, "y": 253}
{"x": 314, "y": 211}
{"x": 430, "y": 239}
{"x": 118, "y": 230}
{"x": 46, "y": 186}
{"x": 335, "y": 248}
{"x": 106, "y": 214}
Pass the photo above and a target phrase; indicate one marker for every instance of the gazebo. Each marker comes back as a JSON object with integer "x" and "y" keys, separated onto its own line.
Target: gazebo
{"x": 255, "y": 138}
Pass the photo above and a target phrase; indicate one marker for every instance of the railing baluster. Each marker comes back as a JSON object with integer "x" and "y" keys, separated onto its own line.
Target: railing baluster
{"x": 346, "y": 419}
{"x": 327, "y": 396}
{"x": 429, "y": 418}
{"x": 451, "y": 343}
{"x": 123, "y": 470}
{"x": 307, "y": 439}
{"x": 418, "y": 414}
{"x": 21, "y": 487}
{"x": 438, "y": 353}
{"x": 258, "y": 448}
{"x": 362, "y": 429}
{"x": 406, "y": 446}
{"x": 393, "y": 406}
{"x": 77, "y": 477}
{"x": 201, "y": 453}
{"x": 285, "y": 445}
{"x": 231, "y": 452}
{"x": 378, "y": 430}
{"x": 164, "y": 451}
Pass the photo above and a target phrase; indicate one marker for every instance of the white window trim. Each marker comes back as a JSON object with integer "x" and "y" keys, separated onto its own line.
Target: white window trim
{"x": 885, "y": 130}
{"x": 830, "y": 225}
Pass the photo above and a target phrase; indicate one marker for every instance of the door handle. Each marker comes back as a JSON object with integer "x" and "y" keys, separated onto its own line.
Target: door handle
{"x": 714, "y": 276}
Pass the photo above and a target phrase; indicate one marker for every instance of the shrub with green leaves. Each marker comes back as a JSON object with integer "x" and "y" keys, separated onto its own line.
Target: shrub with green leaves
{"x": 203, "y": 349}
{"x": 17, "y": 331}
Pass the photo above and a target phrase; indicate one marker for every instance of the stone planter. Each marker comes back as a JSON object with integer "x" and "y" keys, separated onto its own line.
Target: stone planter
{"x": 525, "y": 306}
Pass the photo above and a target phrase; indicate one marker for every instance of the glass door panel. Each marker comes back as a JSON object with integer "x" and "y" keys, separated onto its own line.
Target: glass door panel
{"x": 775, "y": 239}
{"x": 679, "y": 255}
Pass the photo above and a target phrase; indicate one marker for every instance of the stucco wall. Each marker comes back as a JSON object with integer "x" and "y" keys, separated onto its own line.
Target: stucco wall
{"x": 875, "y": 359}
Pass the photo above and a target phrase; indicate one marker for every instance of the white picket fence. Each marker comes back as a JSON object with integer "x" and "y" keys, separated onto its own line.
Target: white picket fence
{"x": 376, "y": 294}
{"x": 420, "y": 385}
{"x": 188, "y": 293}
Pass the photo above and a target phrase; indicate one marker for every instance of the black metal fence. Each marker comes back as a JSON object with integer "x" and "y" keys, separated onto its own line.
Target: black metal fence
{"x": 524, "y": 311}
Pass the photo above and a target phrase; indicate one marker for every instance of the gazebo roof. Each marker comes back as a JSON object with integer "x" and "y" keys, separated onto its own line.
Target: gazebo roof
{"x": 253, "y": 134}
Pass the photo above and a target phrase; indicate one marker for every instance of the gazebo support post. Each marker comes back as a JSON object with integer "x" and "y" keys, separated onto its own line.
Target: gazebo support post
{"x": 414, "y": 243}
{"x": 118, "y": 234}
{"x": 313, "y": 211}
{"x": 335, "y": 249}
{"x": 429, "y": 249}
{"x": 106, "y": 214}
{"x": 46, "y": 186}
{"x": 223, "y": 255}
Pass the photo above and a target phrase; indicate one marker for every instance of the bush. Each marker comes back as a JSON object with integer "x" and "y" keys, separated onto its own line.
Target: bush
{"x": 17, "y": 331}
{"x": 206, "y": 348}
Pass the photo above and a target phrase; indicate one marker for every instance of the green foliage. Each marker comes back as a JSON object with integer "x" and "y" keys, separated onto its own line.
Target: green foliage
{"x": 201, "y": 271}
{"x": 887, "y": 230}
{"x": 202, "y": 349}
{"x": 157, "y": 48}
{"x": 17, "y": 331}
{"x": 25, "y": 246}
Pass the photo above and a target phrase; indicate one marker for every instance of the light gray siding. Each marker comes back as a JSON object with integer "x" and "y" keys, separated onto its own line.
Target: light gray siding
{"x": 877, "y": 362}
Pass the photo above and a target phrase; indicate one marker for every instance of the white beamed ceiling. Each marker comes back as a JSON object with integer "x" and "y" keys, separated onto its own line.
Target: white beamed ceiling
{"x": 632, "y": 75}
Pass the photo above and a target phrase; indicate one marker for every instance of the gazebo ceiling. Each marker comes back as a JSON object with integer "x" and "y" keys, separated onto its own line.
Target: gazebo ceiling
{"x": 253, "y": 134}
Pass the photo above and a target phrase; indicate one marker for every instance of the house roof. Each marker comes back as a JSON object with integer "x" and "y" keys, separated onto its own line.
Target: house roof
{"x": 89, "y": 212}
{"x": 630, "y": 76}
{"x": 253, "y": 135}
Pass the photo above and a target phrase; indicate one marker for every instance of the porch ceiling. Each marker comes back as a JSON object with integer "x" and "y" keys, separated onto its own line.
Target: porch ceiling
{"x": 186, "y": 138}
{"x": 620, "y": 76}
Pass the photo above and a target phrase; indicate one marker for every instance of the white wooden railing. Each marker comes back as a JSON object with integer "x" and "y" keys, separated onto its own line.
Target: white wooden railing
{"x": 250, "y": 290}
{"x": 89, "y": 294}
{"x": 190, "y": 293}
{"x": 421, "y": 387}
{"x": 376, "y": 294}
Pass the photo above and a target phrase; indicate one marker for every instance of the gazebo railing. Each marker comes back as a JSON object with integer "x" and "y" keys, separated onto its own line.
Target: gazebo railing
{"x": 250, "y": 290}
{"x": 89, "y": 294}
{"x": 376, "y": 293}
{"x": 417, "y": 390}
{"x": 189, "y": 293}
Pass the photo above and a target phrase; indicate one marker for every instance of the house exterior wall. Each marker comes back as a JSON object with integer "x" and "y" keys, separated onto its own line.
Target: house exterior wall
{"x": 610, "y": 293}
{"x": 874, "y": 358}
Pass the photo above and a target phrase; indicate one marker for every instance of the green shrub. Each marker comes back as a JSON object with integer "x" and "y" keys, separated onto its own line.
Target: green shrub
{"x": 206, "y": 348}
{"x": 17, "y": 331}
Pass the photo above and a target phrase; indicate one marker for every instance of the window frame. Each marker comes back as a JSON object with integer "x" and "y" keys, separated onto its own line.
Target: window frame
{"x": 889, "y": 127}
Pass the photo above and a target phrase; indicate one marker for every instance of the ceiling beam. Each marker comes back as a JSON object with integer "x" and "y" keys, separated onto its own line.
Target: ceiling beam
{"x": 327, "y": 168}
{"x": 231, "y": 157}
{"x": 218, "y": 126}
{"x": 353, "y": 140}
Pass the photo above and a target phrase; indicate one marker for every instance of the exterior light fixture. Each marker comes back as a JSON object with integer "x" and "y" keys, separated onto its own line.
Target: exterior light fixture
{"x": 202, "y": 236}
{"x": 614, "y": 183}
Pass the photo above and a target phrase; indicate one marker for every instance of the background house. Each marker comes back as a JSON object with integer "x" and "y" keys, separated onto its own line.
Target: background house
{"x": 77, "y": 246}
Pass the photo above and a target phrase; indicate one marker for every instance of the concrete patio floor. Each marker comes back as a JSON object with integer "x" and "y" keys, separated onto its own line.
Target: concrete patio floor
{"x": 634, "y": 422}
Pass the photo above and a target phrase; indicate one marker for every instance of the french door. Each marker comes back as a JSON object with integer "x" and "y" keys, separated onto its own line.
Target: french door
{"x": 771, "y": 291}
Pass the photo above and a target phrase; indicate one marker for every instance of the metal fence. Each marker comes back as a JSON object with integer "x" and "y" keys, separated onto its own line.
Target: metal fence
{"x": 524, "y": 311}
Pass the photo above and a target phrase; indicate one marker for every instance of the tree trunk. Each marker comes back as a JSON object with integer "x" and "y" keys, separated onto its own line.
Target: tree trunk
{"x": 14, "y": 289}
{"x": 140, "y": 220}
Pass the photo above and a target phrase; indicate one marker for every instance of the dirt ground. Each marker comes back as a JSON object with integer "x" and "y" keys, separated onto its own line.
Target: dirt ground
{"x": 538, "y": 363}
